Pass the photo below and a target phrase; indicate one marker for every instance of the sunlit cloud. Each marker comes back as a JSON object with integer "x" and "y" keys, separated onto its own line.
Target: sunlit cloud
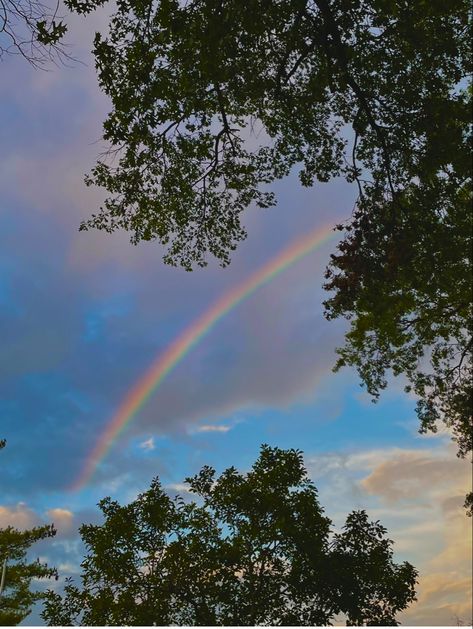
{"x": 418, "y": 495}
{"x": 62, "y": 518}
{"x": 407, "y": 475}
{"x": 19, "y": 516}
{"x": 434, "y": 484}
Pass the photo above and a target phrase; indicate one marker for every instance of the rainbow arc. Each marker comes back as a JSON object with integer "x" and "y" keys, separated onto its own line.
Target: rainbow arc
{"x": 189, "y": 338}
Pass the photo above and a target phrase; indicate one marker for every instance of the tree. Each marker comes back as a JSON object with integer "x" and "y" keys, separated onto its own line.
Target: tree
{"x": 376, "y": 92}
{"x": 16, "y": 597}
{"x": 188, "y": 82}
{"x": 34, "y": 30}
{"x": 403, "y": 278}
{"x": 209, "y": 105}
{"x": 31, "y": 29}
{"x": 255, "y": 549}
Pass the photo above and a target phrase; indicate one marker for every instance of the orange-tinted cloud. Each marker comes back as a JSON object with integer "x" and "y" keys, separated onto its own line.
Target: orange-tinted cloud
{"x": 19, "y": 516}
{"x": 62, "y": 518}
{"x": 434, "y": 483}
{"x": 408, "y": 474}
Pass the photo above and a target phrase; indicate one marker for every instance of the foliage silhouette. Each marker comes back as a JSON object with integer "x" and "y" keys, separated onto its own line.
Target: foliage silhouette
{"x": 255, "y": 549}
{"x": 214, "y": 99}
{"x": 16, "y": 599}
{"x": 33, "y": 30}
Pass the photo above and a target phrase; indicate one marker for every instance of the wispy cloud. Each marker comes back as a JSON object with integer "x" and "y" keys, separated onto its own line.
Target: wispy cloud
{"x": 179, "y": 487}
{"x": 213, "y": 428}
{"x": 148, "y": 444}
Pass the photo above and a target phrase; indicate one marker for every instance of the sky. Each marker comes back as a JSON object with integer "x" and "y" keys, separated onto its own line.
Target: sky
{"x": 84, "y": 315}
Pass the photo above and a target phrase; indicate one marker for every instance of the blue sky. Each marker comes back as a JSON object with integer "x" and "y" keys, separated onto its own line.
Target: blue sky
{"x": 82, "y": 316}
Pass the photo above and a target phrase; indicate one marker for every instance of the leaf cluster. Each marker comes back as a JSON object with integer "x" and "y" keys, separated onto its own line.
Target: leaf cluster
{"x": 31, "y": 29}
{"x": 212, "y": 100}
{"x": 402, "y": 276}
{"x": 35, "y": 30}
{"x": 252, "y": 549}
{"x": 17, "y": 597}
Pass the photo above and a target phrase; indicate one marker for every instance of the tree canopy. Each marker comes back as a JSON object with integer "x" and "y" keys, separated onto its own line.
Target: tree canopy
{"x": 253, "y": 549}
{"x": 190, "y": 82}
{"x": 212, "y": 100}
{"x": 32, "y": 30}
{"x": 16, "y": 596}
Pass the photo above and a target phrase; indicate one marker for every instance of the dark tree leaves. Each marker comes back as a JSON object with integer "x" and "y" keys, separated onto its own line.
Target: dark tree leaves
{"x": 254, "y": 549}
{"x": 214, "y": 99}
{"x": 34, "y": 30}
{"x": 17, "y": 597}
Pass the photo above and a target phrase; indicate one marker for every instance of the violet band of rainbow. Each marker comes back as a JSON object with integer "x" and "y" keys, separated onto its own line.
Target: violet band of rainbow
{"x": 190, "y": 337}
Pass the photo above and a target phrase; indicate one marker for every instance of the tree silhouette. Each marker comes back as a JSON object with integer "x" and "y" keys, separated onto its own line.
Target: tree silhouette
{"x": 254, "y": 549}
{"x": 214, "y": 99}
{"x": 17, "y": 574}
{"x": 31, "y": 29}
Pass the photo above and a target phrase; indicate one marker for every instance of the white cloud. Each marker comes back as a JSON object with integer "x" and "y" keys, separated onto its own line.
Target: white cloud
{"x": 22, "y": 517}
{"x": 213, "y": 428}
{"x": 148, "y": 444}
{"x": 179, "y": 487}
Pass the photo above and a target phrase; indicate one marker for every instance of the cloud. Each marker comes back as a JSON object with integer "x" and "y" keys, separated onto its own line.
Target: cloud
{"x": 434, "y": 482}
{"x": 148, "y": 444}
{"x": 86, "y": 314}
{"x": 418, "y": 495}
{"x": 213, "y": 428}
{"x": 62, "y": 519}
{"x": 406, "y": 475}
{"x": 18, "y": 516}
{"x": 76, "y": 344}
{"x": 23, "y": 517}
{"x": 179, "y": 487}
{"x": 445, "y": 584}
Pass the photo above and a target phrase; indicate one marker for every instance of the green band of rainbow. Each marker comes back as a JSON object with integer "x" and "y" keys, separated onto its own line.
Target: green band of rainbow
{"x": 192, "y": 335}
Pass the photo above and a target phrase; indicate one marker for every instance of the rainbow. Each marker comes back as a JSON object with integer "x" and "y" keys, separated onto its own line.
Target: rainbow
{"x": 188, "y": 339}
